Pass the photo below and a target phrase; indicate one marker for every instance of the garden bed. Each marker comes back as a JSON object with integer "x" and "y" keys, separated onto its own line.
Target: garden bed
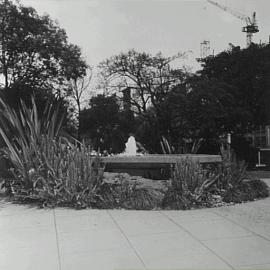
{"x": 123, "y": 191}
{"x": 54, "y": 170}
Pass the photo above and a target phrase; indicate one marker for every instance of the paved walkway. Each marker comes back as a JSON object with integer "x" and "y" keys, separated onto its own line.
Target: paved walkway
{"x": 234, "y": 237}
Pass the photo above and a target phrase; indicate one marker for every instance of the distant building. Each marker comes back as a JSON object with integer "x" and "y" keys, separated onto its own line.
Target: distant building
{"x": 127, "y": 99}
{"x": 260, "y": 137}
{"x": 261, "y": 140}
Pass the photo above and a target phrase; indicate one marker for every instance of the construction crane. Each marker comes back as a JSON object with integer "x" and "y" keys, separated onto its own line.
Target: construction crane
{"x": 251, "y": 23}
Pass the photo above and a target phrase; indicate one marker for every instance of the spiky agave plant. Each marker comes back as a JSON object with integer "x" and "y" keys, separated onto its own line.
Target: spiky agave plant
{"x": 46, "y": 166}
{"x": 67, "y": 174}
{"x": 22, "y": 132}
{"x": 189, "y": 184}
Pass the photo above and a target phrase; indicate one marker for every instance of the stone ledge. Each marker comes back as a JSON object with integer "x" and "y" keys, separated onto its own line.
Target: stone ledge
{"x": 161, "y": 159}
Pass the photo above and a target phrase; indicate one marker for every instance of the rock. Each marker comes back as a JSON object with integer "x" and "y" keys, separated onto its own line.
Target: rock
{"x": 118, "y": 178}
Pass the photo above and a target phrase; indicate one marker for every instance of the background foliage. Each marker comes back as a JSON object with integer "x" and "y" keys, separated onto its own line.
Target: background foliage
{"x": 35, "y": 55}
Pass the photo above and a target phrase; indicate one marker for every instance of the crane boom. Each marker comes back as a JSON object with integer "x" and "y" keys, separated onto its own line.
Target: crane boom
{"x": 251, "y": 24}
{"x": 231, "y": 11}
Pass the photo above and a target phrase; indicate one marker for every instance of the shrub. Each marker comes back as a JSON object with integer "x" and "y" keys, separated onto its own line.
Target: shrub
{"x": 127, "y": 195}
{"x": 232, "y": 172}
{"x": 233, "y": 183}
{"x": 64, "y": 174}
{"x": 190, "y": 185}
{"x": 22, "y": 133}
{"x": 249, "y": 190}
{"x": 193, "y": 186}
{"x": 45, "y": 166}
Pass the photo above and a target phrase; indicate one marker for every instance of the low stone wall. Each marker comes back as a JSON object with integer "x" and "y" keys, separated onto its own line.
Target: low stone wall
{"x": 156, "y": 167}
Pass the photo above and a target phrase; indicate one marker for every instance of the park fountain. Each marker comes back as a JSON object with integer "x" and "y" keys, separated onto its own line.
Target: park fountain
{"x": 131, "y": 148}
{"x": 152, "y": 166}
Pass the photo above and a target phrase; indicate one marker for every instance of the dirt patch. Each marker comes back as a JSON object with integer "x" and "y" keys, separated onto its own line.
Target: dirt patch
{"x": 141, "y": 183}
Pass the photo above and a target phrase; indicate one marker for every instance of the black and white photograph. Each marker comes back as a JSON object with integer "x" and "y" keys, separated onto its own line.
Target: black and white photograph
{"x": 134, "y": 135}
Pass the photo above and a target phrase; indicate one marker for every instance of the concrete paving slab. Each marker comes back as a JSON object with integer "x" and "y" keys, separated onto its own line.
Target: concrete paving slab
{"x": 214, "y": 229}
{"x": 30, "y": 218}
{"x": 234, "y": 237}
{"x": 253, "y": 216}
{"x": 42, "y": 258}
{"x": 254, "y": 267}
{"x": 143, "y": 222}
{"x": 9, "y": 208}
{"x": 133, "y": 214}
{"x": 89, "y": 241}
{"x": 242, "y": 251}
{"x": 153, "y": 245}
{"x": 195, "y": 215}
{"x": 67, "y": 212}
{"x": 188, "y": 259}
{"x": 103, "y": 260}
{"x": 173, "y": 250}
{"x": 28, "y": 238}
{"x": 258, "y": 210}
{"x": 262, "y": 229}
{"x": 72, "y": 221}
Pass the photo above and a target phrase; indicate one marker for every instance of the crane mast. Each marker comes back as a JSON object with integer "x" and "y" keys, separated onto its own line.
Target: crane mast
{"x": 251, "y": 23}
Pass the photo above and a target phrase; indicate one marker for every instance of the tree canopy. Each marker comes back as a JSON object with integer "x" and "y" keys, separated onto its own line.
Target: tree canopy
{"x": 149, "y": 77}
{"x": 229, "y": 94}
{"x": 105, "y": 124}
{"x": 35, "y": 52}
{"x": 247, "y": 71}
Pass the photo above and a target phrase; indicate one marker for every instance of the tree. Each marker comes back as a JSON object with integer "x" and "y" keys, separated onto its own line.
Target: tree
{"x": 149, "y": 77}
{"x": 248, "y": 72}
{"x": 104, "y": 124}
{"x": 212, "y": 109}
{"x": 34, "y": 53}
{"x": 195, "y": 111}
{"x": 78, "y": 88}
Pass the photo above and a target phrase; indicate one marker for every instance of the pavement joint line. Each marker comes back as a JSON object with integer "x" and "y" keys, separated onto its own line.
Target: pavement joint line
{"x": 154, "y": 233}
{"x": 129, "y": 242}
{"x": 254, "y": 265}
{"x": 226, "y": 237}
{"x": 57, "y": 241}
{"x": 243, "y": 227}
{"x": 198, "y": 240}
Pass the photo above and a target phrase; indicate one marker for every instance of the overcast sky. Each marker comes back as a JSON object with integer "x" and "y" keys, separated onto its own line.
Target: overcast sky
{"x": 103, "y": 28}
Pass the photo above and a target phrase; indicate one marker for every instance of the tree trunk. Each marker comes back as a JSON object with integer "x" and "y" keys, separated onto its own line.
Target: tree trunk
{"x": 79, "y": 122}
